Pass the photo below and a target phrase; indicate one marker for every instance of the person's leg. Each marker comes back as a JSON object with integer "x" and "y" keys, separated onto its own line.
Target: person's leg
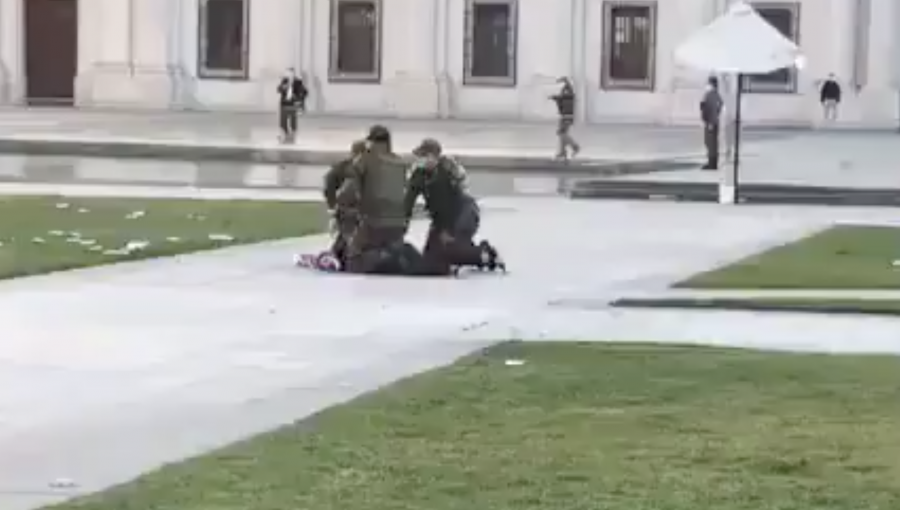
{"x": 292, "y": 121}
{"x": 370, "y": 247}
{"x": 711, "y": 142}
{"x": 568, "y": 139}
{"x": 283, "y": 122}
{"x": 830, "y": 110}
{"x": 561, "y": 132}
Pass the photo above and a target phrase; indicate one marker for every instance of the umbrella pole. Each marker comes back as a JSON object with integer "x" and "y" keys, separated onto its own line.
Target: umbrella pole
{"x": 729, "y": 188}
{"x": 736, "y": 164}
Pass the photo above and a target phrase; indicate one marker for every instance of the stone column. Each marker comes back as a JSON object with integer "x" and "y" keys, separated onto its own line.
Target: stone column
{"x": 157, "y": 76}
{"x": 12, "y": 51}
{"x": 579, "y": 64}
{"x": 408, "y": 42}
{"x": 106, "y": 52}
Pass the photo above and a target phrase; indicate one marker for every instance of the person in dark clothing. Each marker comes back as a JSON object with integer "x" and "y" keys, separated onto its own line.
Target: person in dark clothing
{"x": 565, "y": 106}
{"x": 710, "y": 114}
{"x": 292, "y": 94}
{"x": 830, "y": 97}
{"x": 455, "y": 216}
{"x": 341, "y": 202}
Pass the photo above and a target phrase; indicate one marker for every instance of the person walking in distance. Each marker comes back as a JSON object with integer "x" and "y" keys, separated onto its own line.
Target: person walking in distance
{"x": 292, "y": 99}
{"x": 710, "y": 114}
{"x": 830, "y": 97}
{"x": 565, "y": 106}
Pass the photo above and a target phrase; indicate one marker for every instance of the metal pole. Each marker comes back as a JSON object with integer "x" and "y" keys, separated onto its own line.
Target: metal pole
{"x": 735, "y": 168}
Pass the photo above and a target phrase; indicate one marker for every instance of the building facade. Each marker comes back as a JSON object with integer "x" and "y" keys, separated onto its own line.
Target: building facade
{"x": 435, "y": 58}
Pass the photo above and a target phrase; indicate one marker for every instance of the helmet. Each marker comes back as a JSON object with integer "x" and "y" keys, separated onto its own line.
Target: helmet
{"x": 428, "y": 147}
{"x": 379, "y": 133}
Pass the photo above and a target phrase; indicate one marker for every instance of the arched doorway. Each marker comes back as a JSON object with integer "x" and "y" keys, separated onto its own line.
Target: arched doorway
{"x": 51, "y": 51}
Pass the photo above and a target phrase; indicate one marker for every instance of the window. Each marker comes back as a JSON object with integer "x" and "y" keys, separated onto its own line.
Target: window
{"x": 629, "y": 45}
{"x": 223, "y": 39}
{"x": 490, "y": 44}
{"x": 785, "y": 18}
{"x": 355, "y": 45}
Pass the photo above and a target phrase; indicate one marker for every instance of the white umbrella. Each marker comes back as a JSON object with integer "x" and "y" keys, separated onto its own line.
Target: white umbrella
{"x": 738, "y": 42}
{"x": 741, "y": 42}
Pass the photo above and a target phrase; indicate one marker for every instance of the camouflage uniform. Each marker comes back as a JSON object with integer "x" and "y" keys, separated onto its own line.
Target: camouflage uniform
{"x": 379, "y": 178}
{"x": 343, "y": 200}
{"x": 455, "y": 217}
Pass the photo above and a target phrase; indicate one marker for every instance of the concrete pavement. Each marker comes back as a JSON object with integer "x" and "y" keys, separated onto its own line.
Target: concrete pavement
{"x": 253, "y": 138}
{"x": 108, "y": 372}
{"x": 826, "y": 159}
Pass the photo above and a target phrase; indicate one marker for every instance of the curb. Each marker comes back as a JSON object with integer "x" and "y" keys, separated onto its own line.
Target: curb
{"x": 297, "y": 156}
{"x": 749, "y": 305}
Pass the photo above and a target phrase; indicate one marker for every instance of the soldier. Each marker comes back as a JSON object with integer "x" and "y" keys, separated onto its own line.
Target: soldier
{"x": 342, "y": 201}
{"x": 378, "y": 176}
{"x": 710, "y": 114}
{"x": 455, "y": 216}
{"x": 565, "y": 106}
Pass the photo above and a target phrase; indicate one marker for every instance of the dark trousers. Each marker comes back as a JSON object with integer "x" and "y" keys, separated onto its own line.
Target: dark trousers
{"x": 443, "y": 255}
{"x": 711, "y": 142}
{"x": 371, "y": 246}
{"x": 287, "y": 119}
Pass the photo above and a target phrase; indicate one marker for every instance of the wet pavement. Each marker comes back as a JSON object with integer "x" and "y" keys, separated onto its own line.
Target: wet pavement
{"x": 254, "y": 138}
{"x": 210, "y": 174}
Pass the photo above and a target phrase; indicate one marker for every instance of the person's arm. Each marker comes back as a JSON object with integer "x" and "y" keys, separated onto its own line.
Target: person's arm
{"x": 302, "y": 91}
{"x": 333, "y": 180}
{"x": 282, "y": 86}
{"x": 415, "y": 186}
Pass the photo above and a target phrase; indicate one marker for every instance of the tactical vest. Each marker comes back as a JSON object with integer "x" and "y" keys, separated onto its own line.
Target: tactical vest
{"x": 384, "y": 189}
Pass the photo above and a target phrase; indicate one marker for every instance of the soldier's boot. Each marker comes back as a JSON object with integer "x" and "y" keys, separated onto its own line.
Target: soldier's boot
{"x": 490, "y": 258}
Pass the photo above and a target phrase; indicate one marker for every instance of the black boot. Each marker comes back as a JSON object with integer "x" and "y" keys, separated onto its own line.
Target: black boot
{"x": 490, "y": 259}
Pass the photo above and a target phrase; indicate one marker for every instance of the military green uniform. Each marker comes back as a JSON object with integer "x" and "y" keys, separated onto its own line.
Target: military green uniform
{"x": 379, "y": 178}
{"x": 342, "y": 198}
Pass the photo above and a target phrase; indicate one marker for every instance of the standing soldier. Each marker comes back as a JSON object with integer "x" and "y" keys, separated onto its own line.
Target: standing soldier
{"x": 710, "y": 114}
{"x": 565, "y": 105}
{"x": 342, "y": 202}
{"x": 379, "y": 177}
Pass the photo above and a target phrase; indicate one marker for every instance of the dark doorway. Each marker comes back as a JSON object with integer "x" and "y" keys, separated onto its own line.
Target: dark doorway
{"x": 51, "y": 51}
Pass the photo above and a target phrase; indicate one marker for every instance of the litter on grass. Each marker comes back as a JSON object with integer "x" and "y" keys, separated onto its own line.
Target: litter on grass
{"x": 135, "y": 215}
{"x": 134, "y": 246}
{"x": 221, "y": 237}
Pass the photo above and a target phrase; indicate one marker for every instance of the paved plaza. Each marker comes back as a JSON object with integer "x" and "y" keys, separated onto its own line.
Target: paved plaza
{"x": 108, "y": 372}
{"x": 830, "y": 159}
{"x": 105, "y": 373}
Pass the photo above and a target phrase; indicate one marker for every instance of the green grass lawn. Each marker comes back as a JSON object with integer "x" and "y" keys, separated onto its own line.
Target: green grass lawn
{"x": 842, "y": 257}
{"x": 786, "y": 304}
{"x": 577, "y": 427}
{"x": 45, "y": 234}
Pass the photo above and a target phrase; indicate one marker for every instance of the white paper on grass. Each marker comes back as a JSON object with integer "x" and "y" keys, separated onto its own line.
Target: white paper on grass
{"x": 739, "y": 41}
